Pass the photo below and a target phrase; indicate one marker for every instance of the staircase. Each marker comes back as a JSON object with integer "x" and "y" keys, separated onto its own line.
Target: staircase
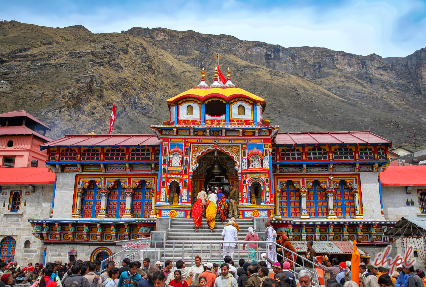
{"x": 183, "y": 229}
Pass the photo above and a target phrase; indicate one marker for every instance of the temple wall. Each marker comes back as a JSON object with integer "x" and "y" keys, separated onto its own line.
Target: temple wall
{"x": 35, "y": 204}
{"x": 394, "y": 202}
{"x": 64, "y": 195}
{"x": 371, "y": 196}
{"x": 84, "y": 251}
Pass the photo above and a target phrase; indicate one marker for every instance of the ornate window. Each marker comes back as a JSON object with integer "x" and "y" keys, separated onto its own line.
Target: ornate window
{"x": 52, "y": 155}
{"x": 255, "y": 161}
{"x": 343, "y": 153}
{"x": 274, "y": 155}
{"x": 8, "y": 245}
{"x": 91, "y": 204}
{"x": 157, "y": 155}
{"x": 317, "y": 153}
{"x": 290, "y": 154}
{"x": 116, "y": 201}
{"x": 115, "y": 154}
{"x": 15, "y": 200}
{"x": 316, "y": 201}
{"x": 344, "y": 202}
{"x": 68, "y": 154}
{"x": 189, "y": 110}
{"x": 366, "y": 153}
{"x": 142, "y": 199}
{"x": 176, "y": 159}
{"x": 241, "y": 110}
{"x": 289, "y": 201}
{"x": 140, "y": 154}
{"x": 381, "y": 153}
{"x": 90, "y": 154}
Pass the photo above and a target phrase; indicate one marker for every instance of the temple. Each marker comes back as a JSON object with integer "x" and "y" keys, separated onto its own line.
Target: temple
{"x": 318, "y": 186}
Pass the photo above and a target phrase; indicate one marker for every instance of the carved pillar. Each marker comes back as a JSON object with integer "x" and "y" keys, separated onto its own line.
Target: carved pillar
{"x": 129, "y": 198}
{"x": 78, "y": 203}
{"x": 358, "y": 214}
{"x": 330, "y": 194}
{"x": 104, "y": 199}
{"x": 303, "y": 211}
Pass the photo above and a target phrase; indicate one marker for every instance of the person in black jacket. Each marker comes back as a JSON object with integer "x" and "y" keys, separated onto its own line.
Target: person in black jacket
{"x": 77, "y": 280}
{"x": 242, "y": 275}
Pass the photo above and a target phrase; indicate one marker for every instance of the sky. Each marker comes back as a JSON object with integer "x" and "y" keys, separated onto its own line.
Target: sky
{"x": 386, "y": 28}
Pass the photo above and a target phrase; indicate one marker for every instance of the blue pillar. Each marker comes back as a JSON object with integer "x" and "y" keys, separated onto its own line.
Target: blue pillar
{"x": 203, "y": 114}
{"x": 380, "y": 191}
{"x": 159, "y": 170}
{"x": 271, "y": 179}
{"x": 227, "y": 113}
{"x": 255, "y": 114}
{"x": 176, "y": 114}
{"x": 54, "y": 190}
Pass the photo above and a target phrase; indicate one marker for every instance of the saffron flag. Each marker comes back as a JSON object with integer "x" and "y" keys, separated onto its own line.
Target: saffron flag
{"x": 221, "y": 76}
{"x": 112, "y": 120}
{"x": 355, "y": 264}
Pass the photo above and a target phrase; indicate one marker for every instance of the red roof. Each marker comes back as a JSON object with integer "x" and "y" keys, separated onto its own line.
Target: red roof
{"x": 21, "y": 130}
{"x": 21, "y": 114}
{"x": 26, "y": 176}
{"x": 344, "y": 137}
{"x": 410, "y": 175}
{"x": 105, "y": 140}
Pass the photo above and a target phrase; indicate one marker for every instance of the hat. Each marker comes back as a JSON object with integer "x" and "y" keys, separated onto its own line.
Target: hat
{"x": 395, "y": 274}
{"x": 58, "y": 262}
{"x": 399, "y": 266}
{"x": 348, "y": 264}
{"x": 4, "y": 278}
{"x": 209, "y": 265}
{"x": 263, "y": 255}
{"x": 158, "y": 263}
{"x": 369, "y": 266}
{"x": 342, "y": 265}
{"x": 277, "y": 264}
{"x": 286, "y": 265}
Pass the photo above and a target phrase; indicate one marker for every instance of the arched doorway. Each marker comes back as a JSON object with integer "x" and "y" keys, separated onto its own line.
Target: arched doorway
{"x": 174, "y": 193}
{"x": 215, "y": 170}
{"x": 101, "y": 253}
{"x": 256, "y": 193}
{"x": 8, "y": 245}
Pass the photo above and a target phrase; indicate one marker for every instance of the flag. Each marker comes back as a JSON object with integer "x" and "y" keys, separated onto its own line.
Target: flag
{"x": 112, "y": 120}
{"x": 355, "y": 264}
{"x": 221, "y": 76}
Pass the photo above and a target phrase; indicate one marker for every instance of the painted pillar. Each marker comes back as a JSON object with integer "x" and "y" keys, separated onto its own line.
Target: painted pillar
{"x": 255, "y": 114}
{"x": 129, "y": 197}
{"x": 79, "y": 200}
{"x": 176, "y": 114}
{"x": 227, "y": 113}
{"x": 303, "y": 211}
{"x": 104, "y": 199}
{"x": 330, "y": 205}
{"x": 203, "y": 114}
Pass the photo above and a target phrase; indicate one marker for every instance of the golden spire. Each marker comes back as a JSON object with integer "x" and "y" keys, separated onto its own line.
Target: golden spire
{"x": 215, "y": 74}
{"x": 229, "y": 74}
{"x": 203, "y": 75}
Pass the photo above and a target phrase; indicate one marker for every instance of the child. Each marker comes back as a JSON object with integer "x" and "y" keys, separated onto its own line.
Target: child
{"x": 178, "y": 282}
{"x": 113, "y": 274}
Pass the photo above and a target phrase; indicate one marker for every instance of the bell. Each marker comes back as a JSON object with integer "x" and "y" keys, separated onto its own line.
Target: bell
{"x": 216, "y": 170}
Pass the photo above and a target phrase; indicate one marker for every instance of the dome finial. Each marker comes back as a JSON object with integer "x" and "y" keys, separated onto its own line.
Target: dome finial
{"x": 215, "y": 75}
{"x": 229, "y": 74}
{"x": 228, "y": 80}
{"x": 203, "y": 79}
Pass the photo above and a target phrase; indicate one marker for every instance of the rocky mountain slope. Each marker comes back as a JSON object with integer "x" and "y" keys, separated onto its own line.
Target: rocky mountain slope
{"x": 69, "y": 78}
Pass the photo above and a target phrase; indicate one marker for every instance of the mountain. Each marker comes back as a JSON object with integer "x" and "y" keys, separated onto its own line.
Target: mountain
{"x": 70, "y": 77}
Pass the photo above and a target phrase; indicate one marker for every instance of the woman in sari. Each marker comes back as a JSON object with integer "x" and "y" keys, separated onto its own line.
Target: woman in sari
{"x": 197, "y": 213}
{"x": 211, "y": 210}
{"x": 223, "y": 207}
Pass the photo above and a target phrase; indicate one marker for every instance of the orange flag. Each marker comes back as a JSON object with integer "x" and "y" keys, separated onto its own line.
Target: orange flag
{"x": 355, "y": 264}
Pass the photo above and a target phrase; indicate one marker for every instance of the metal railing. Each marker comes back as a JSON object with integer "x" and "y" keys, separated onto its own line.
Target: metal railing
{"x": 210, "y": 251}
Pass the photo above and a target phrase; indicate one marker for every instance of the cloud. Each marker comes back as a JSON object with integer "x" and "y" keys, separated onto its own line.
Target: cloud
{"x": 387, "y": 28}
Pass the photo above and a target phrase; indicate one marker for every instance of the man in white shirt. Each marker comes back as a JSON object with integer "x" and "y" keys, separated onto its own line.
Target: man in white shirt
{"x": 196, "y": 270}
{"x": 229, "y": 233}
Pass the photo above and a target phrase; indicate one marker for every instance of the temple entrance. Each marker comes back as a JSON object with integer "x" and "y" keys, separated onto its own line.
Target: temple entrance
{"x": 174, "y": 193}
{"x": 256, "y": 193}
{"x": 216, "y": 170}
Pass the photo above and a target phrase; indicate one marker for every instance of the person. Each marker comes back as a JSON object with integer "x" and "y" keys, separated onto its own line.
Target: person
{"x": 332, "y": 270}
{"x": 242, "y": 275}
{"x": 7, "y": 279}
{"x": 253, "y": 279}
{"x": 158, "y": 265}
{"x": 203, "y": 196}
{"x": 177, "y": 280}
{"x": 289, "y": 274}
{"x": 276, "y": 267}
{"x": 3, "y": 267}
{"x": 229, "y": 233}
{"x": 196, "y": 270}
{"x": 203, "y": 282}
{"x": 209, "y": 276}
{"x": 232, "y": 269}
{"x": 109, "y": 266}
{"x": 216, "y": 269}
{"x": 371, "y": 279}
{"x": 288, "y": 250}
{"x": 211, "y": 210}
{"x": 241, "y": 264}
{"x": 233, "y": 201}
{"x": 55, "y": 277}
{"x": 413, "y": 279}
{"x": 421, "y": 275}
{"x": 350, "y": 284}
{"x": 112, "y": 274}
{"x": 219, "y": 195}
{"x": 148, "y": 280}
{"x": 91, "y": 274}
{"x": 28, "y": 268}
{"x": 158, "y": 279}
{"x": 180, "y": 265}
{"x": 77, "y": 280}
{"x": 125, "y": 265}
{"x": 168, "y": 265}
{"x": 263, "y": 273}
{"x": 270, "y": 235}
{"x": 340, "y": 278}
{"x": 129, "y": 278}
{"x": 225, "y": 279}
{"x": 139, "y": 270}
{"x": 145, "y": 263}
{"x": 385, "y": 281}
{"x": 402, "y": 279}
{"x": 269, "y": 282}
{"x": 394, "y": 277}
{"x": 253, "y": 198}
{"x": 380, "y": 271}
{"x": 235, "y": 224}
{"x": 305, "y": 278}
{"x": 223, "y": 207}
{"x": 197, "y": 213}
{"x": 310, "y": 253}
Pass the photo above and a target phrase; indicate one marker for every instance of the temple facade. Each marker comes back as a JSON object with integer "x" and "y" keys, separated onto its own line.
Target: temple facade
{"x": 317, "y": 186}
